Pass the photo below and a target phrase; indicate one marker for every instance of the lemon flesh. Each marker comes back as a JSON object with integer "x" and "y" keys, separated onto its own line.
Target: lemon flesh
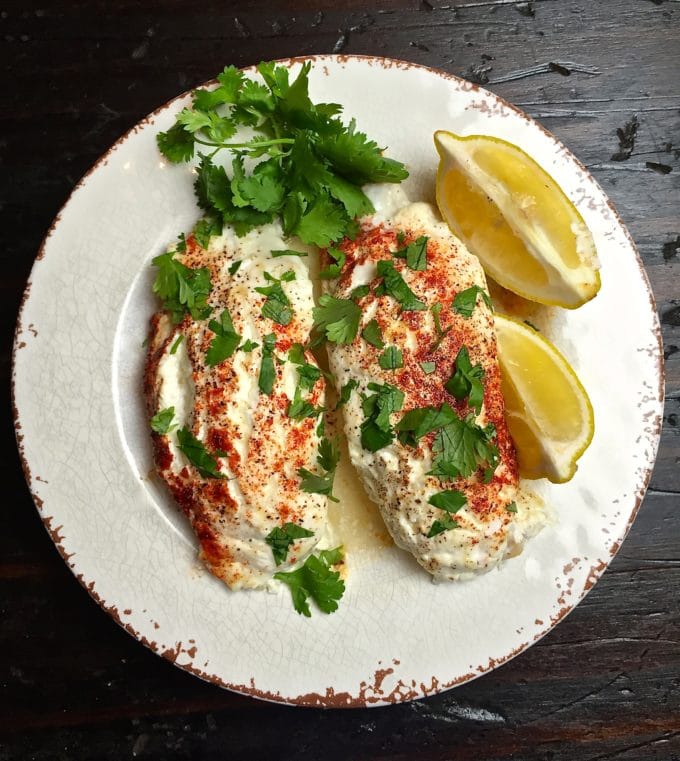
{"x": 516, "y": 219}
{"x": 547, "y": 410}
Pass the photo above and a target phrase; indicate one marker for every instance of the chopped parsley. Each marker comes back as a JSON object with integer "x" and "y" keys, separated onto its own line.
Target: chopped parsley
{"x": 267, "y": 375}
{"x": 197, "y": 454}
{"x": 373, "y": 335}
{"x": 333, "y": 270}
{"x": 337, "y": 319}
{"x": 423, "y": 420}
{"x": 328, "y": 458}
{"x": 299, "y": 408}
{"x": 376, "y": 430}
{"x": 248, "y": 345}
{"x": 161, "y": 422}
{"x": 277, "y": 305}
{"x": 177, "y": 342}
{"x": 205, "y": 228}
{"x": 428, "y": 367}
{"x": 449, "y": 501}
{"x": 466, "y": 381}
{"x": 415, "y": 254}
{"x": 391, "y": 358}
{"x": 317, "y": 581}
{"x": 441, "y": 334}
{"x": 394, "y": 285}
{"x": 281, "y": 537}
{"x": 311, "y": 166}
{"x": 346, "y": 392}
{"x": 226, "y": 340}
{"x": 512, "y": 507}
{"x": 460, "y": 447}
{"x": 359, "y": 292}
{"x": 308, "y": 374}
{"x": 464, "y": 303}
{"x": 182, "y": 289}
{"x": 235, "y": 266}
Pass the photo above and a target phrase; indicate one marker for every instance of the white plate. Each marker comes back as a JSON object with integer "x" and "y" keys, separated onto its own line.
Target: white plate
{"x": 84, "y": 440}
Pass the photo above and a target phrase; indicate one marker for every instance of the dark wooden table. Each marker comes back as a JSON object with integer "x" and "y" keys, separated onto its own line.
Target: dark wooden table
{"x": 602, "y": 75}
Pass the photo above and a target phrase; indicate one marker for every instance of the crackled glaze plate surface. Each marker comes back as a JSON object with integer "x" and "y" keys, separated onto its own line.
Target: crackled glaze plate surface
{"x": 84, "y": 440}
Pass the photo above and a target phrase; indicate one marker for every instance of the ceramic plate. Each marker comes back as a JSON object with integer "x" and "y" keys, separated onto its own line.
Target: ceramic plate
{"x": 84, "y": 438}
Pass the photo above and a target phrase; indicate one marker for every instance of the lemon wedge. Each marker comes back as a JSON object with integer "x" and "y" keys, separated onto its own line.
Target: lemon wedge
{"x": 516, "y": 219}
{"x": 548, "y": 411}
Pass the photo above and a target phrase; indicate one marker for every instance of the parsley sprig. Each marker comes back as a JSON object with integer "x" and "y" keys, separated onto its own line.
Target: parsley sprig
{"x": 317, "y": 581}
{"x": 328, "y": 458}
{"x": 376, "y": 430}
{"x": 311, "y": 165}
{"x": 281, "y": 537}
{"x": 466, "y": 381}
{"x": 182, "y": 289}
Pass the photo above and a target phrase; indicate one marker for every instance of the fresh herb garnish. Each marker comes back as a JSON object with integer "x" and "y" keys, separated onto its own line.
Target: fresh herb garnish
{"x": 337, "y": 319}
{"x": 423, "y": 420}
{"x": 359, "y": 292}
{"x": 308, "y": 374}
{"x": 512, "y": 507}
{"x": 176, "y": 343}
{"x": 376, "y": 430}
{"x": 197, "y": 454}
{"x": 299, "y": 408}
{"x": 464, "y": 303}
{"x": 277, "y": 305}
{"x": 460, "y": 447}
{"x": 445, "y": 523}
{"x": 204, "y": 230}
{"x": 181, "y": 288}
{"x": 441, "y": 334}
{"x": 317, "y": 581}
{"x": 287, "y": 252}
{"x": 391, "y": 358}
{"x": 451, "y": 502}
{"x": 248, "y": 345}
{"x": 314, "y": 168}
{"x": 333, "y": 270}
{"x": 161, "y": 422}
{"x": 346, "y": 392}
{"x": 373, "y": 335}
{"x": 226, "y": 340}
{"x": 328, "y": 458}
{"x": 415, "y": 254}
{"x": 281, "y": 537}
{"x": 428, "y": 367}
{"x": 466, "y": 381}
{"x": 235, "y": 266}
{"x": 267, "y": 375}
{"x": 394, "y": 285}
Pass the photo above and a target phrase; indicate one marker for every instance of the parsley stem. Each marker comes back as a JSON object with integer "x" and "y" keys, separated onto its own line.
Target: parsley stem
{"x": 263, "y": 144}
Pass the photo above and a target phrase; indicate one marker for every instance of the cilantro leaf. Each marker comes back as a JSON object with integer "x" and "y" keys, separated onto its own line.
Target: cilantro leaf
{"x": 226, "y": 340}
{"x": 277, "y": 305}
{"x": 299, "y": 409}
{"x": 177, "y": 144}
{"x": 161, "y": 422}
{"x": 443, "y": 524}
{"x": 346, "y": 392}
{"x": 328, "y": 458}
{"x": 394, "y": 285}
{"x": 376, "y": 430}
{"x": 308, "y": 374}
{"x": 373, "y": 335}
{"x": 324, "y": 222}
{"x": 415, "y": 254}
{"x": 423, "y": 420}
{"x": 205, "y": 228}
{"x": 337, "y": 319}
{"x": 317, "y": 581}
{"x": 428, "y": 367}
{"x": 450, "y": 500}
{"x": 267, "y": 375}
{"x": 391, "y": 359}
{"x": 329, "y": 454}
{"x": 181, "y": 288}
{"x": 333, "y": 270}
{"x": 460, "y": 447}
{"x": 281, "y": 537}
{"x": 467, "y": 381}
{"x": 465, "y": 301}
{"x": 197, "y": 454}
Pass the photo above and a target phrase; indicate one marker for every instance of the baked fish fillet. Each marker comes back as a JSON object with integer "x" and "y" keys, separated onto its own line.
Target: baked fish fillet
{"x": 396, "y": 476}
{"x": 257, "y": 447}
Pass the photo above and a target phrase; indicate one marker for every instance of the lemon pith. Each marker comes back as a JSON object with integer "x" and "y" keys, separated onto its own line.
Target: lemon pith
{"x": 549, "y": 414}
{"x": 516, "y": 219}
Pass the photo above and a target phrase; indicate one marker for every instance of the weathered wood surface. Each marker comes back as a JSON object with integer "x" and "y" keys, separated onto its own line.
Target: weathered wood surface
{"x": 606, "y": 683}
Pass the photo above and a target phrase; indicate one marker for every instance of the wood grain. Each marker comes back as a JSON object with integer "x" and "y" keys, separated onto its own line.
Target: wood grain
{"x": 605, "y": 684}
